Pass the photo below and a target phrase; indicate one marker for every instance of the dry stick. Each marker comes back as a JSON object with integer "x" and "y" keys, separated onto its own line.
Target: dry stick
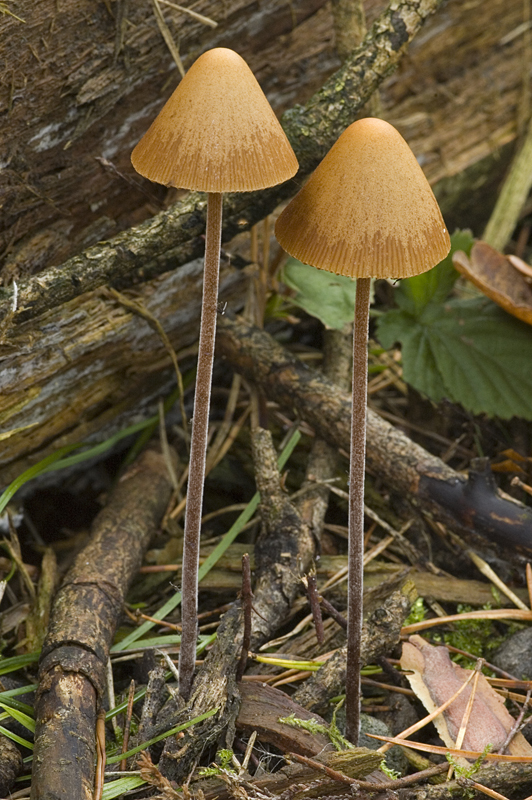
{"x": 198, "y": 444}
{"x": 517, "y": 724}
{"x": 356, "y": 509}
{"x": 100, "y": 756}
{"x": 311, "y": 586}
{"x": 127, "y": 723}
{"x": 333, "y": 612}
{"x": 529, "y": 582}
{"x": 247, "y": 599}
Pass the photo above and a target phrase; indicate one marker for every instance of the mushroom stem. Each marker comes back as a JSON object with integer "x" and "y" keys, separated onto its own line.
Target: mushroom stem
{"x": 356, "y": 509}
{"x": 198, "y": 444}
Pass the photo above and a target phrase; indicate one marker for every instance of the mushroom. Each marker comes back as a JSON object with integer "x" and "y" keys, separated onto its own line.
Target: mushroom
{"x": 366, "y": 212}
{"x": 217, "y": 133}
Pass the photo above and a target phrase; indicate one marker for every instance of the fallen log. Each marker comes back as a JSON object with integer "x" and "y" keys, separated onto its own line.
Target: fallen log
{"x": 284, "y": 547}
{"x": 92, "y": 366}
{"x": 173, "y": 237}
{"x": 81, "y": 83}
{"x": 86, "y": 611}
{"x": 471, "y": 506}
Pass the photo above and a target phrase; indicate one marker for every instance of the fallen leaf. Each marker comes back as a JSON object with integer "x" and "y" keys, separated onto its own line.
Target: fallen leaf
{"x": 522, "y": 266}
{"x": 435, "y": 678}
{"x": 498, "y": 278}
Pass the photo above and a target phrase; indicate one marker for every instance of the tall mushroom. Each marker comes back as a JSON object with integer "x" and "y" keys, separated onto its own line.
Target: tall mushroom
{"x": 217, "y": 133}
{"x": 366, "y": 212}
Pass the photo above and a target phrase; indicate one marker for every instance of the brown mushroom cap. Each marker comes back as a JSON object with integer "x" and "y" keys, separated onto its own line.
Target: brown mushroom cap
{"x": 217, "y": 132}
{"x": 367, "y": 211}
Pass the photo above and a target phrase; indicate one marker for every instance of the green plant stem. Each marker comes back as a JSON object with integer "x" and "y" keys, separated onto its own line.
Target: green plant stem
{"x": 356, "y": 509}
{"x": 512, "y": 196}
{"x": 198, "y": 444}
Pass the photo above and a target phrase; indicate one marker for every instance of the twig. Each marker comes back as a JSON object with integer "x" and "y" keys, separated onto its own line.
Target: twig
{"x": 100, "y": 756}
{"x": 310, "y": 583}
{"x": 127, "y": 723}
{"x": 194, "y": 14}
{"x": 247, "y": 599}
{"x": 333, "y": 612}
{"x": 516, "y": 726}
{"x": 168, "y": 38}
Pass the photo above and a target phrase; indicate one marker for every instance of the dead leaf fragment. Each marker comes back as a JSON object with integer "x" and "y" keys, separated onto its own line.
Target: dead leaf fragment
{"x": 497, "y": 277}
{"x": 435, "y": 678}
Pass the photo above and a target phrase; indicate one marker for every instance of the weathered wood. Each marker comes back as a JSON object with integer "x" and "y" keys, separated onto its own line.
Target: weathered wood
{"x": 68, "y": 98}
{"x": 10, "y": 764}
{"x": 91, "y": 365}
{"x": 471, "y": 506}
{"x": 380, "y": 632}
{"x": 226, "y": 577}
{"x": 284, "y": 547}
{"x": 86, "y": 611}
{"x": 261, "y": 707}
{"x": 312, "y": 129}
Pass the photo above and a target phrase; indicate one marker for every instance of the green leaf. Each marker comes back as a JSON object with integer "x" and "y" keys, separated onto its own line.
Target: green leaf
{"x": 469, "y": 351}
{"x": 330, "y": 298}
{"x": 17, "y": 662}
{"x": 20, "y": 717}
{"x": 121, "y": 786}
{"x": 15, "y": 738}
{"x": 165, "y": 735}
{"x": 434, "y": 286}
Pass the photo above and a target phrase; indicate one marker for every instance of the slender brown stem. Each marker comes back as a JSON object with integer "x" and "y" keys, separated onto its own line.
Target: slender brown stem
{"x": 198, "y": 445}
{"x": 356, "y": 509}
{"x": 314, "y": 603}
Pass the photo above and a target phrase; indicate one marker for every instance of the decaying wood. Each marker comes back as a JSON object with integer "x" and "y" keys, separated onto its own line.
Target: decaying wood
{"x": 86, "y": 611}
{"x": 173, "y": 237}
{"x": 356, "y": 764}
{"x": 379, "y": 635}
{"x": 69, "y": 96}
{"x": 10, "y": 764}
{"x": 92, "y": 365}
{"x": 504, "y": 778}
{"x": 284, "y": 547}
{"x": 81, "y": 341}
{"x": 226, "y": 577}
{"x": 466, "y": 505}
{"x": 262, "y": 707}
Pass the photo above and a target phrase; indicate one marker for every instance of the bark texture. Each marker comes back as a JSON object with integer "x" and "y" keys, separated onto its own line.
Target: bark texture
{"x": 10, "y": 765}
{"x": 471, "y": 506}
{"x": 380, "y": 633}
{"x": 284, "y": 548}
{"x": 86, "y": 611}
{"x": 312, "y": 130}
{"x": 81, "y": 81}
{"x": 92, "y": 365}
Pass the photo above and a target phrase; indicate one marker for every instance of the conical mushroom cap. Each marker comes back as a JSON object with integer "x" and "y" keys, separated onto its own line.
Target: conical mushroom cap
{"x": 217, "y": 132}
{"x": 367, "y": 211}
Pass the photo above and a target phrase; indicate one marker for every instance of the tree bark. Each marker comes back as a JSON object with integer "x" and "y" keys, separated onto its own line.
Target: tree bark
{"x": 81, "y": 82}
{"x": 86, "y": 611}
{"x": 470, "y": 506}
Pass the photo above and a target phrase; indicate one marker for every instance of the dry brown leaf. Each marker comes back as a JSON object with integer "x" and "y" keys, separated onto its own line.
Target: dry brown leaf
{"x": 497, "y": 278}
{"x": 435, "y": 678}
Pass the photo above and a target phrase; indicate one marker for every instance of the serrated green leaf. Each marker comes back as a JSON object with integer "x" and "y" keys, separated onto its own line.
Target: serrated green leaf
{"x": 469, "y": 351}
{"x": 330, "y": 298}
{"x": 414, "y": 294}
